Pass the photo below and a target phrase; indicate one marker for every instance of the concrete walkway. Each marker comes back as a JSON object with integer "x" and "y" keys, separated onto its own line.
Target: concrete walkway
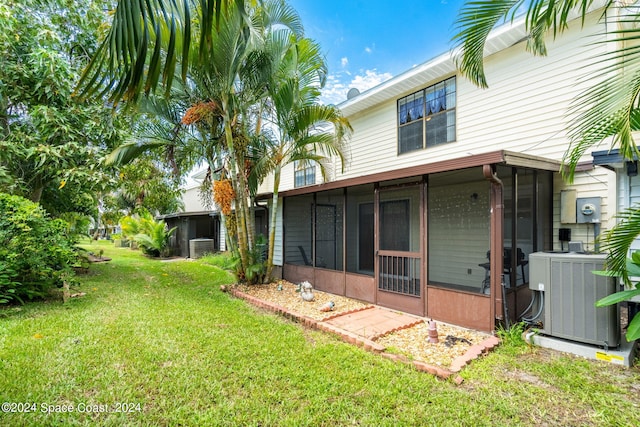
{"x": 374, "y": 322}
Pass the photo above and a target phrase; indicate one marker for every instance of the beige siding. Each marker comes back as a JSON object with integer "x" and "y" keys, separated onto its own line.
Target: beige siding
{"x": 191, "y": 200}
{"x": 459, "y": 232}
{"x": 524, "y": 110}
{"x": 599, "y": 182}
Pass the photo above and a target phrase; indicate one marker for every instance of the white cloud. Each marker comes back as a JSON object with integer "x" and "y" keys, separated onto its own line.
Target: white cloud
{"x": 370, "y": 79}
{"x": 335, "y": 91}
{"x": 344, "y": 61}
{"x": 368, "y": 49}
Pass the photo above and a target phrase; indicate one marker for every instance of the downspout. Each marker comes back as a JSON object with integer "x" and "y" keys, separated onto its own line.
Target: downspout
{"x": 496, "y": 242}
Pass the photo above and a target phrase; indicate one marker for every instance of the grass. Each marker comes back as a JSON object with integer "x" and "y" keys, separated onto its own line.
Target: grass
{"x": 163, "y": 338}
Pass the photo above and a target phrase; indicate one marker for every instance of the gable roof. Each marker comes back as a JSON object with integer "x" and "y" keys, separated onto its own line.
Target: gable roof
{"x": 442, "y": 66}
{"x": 439, "y": 67}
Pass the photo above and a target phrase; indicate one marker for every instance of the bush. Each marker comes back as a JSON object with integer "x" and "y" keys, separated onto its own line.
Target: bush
{"x": 152, "y": 236}
{"x": 36, "y": 252}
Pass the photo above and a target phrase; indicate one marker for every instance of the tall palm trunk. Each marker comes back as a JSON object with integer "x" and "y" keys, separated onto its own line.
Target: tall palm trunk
{"x": 238, "y": 183}
{"x": 274, "y": 218}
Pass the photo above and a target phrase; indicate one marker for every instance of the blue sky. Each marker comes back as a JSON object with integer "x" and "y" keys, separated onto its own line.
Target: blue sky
{"x": 368, "y": 42}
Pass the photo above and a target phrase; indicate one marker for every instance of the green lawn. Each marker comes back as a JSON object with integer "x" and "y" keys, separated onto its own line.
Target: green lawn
{"x": 159, "y": 339}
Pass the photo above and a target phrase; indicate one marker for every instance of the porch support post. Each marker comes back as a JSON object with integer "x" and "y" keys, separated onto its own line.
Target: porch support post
{"x": 376, "y": 244}
{"x": 496, "y": 241}
{"x": 424, "y": 238}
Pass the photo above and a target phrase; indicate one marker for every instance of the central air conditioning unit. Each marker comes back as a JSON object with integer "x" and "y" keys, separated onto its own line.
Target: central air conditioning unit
{"x": 199, "y": 247}
{"x": 570, "y": 292}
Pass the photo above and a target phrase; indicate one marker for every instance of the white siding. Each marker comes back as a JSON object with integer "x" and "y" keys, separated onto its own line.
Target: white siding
{"x": 523, "y": 110}
{"x": 634, "y": 188}
{"x": 223, "y": 237}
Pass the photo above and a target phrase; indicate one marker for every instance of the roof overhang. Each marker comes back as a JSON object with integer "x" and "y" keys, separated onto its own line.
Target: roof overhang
{"x": 437, "y": 68}
{"x": 611, "y": 159}
{"x": 187, "y": 214}
{"x": 500, "y": 157}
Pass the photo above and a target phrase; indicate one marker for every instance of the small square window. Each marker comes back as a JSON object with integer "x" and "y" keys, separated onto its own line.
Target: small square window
{"x": 305, "y": 174}
{"x": 428, "y": 117}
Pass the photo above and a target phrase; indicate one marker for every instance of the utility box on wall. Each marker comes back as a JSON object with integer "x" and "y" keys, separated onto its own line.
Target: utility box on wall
{"x": 568, "y": 206}
{"x": 588, "y": 210}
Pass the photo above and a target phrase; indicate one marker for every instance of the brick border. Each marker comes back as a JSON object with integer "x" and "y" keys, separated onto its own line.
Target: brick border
{"x": 458, "y": 363}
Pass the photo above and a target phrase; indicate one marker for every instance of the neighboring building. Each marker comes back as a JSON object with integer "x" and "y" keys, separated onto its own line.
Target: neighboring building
{"x": 200, "y": 222}
{"x": 194, "y": 222}
{"x": 441, "y": 175}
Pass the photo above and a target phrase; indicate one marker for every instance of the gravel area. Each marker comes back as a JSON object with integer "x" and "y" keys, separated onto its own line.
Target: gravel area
{"x": 288, "y": 297}
{"x": 411, "y": 342}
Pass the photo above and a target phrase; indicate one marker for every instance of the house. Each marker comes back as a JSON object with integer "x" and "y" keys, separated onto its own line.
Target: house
{"x": 196, "y": 222}
{"x": 199, "y": 225}
{"x": 442, "y": 176}
{"x": 627, "y": 194}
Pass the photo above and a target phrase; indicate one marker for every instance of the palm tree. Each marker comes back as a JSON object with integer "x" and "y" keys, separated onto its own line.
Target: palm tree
{"x": 146, "y": 42}
{"x": 223, "y": 54}
{"x": 613, "y": 103}
{"x": 305, "y": 131}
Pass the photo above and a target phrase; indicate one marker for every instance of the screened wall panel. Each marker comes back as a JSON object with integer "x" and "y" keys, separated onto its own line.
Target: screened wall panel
{"x": 298, "y": 230}
{"x": 459, "y": 229}
{"x": 329, "y": 213}
{"x": 360, "y": 230}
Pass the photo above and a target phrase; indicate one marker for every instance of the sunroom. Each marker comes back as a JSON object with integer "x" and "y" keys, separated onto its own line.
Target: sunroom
{"x": 421, "y": 239}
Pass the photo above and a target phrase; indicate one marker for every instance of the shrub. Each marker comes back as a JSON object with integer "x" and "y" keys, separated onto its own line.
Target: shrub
{"x": 255, "y": 271}
{"x": 152, "y": 236}
{"x": 36, "y": 252}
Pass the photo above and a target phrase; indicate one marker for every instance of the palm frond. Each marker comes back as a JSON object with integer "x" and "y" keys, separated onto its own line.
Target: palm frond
{"x": 543, "y": 15}
{"x": 477, "y": 19}
{"x": 473, "y": 25}
{"x": 147, "y": 40}
{"x": 126, "y": 153}
{"x": 618, "y": 240}
{"x": 608, "y": 109}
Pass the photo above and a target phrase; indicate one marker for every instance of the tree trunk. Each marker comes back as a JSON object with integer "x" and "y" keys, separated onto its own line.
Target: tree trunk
{"x": 239, "y": 187}
{"x": 272, "y": 222}
{"x": 38, "y": 188}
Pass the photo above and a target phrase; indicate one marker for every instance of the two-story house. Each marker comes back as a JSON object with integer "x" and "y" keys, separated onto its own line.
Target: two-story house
{"x": 448, "y": 187}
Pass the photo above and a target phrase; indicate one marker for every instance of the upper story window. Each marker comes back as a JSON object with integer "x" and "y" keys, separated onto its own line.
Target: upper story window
{"x": 305, "y": 174}
{"x": 427, "y": 117}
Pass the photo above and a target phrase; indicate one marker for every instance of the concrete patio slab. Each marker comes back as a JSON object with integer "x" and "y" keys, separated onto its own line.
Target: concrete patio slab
{"x": 374, "y": 322}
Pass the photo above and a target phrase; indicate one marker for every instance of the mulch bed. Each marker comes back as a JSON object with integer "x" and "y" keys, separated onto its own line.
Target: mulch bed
{"x": 413, "y": 342}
